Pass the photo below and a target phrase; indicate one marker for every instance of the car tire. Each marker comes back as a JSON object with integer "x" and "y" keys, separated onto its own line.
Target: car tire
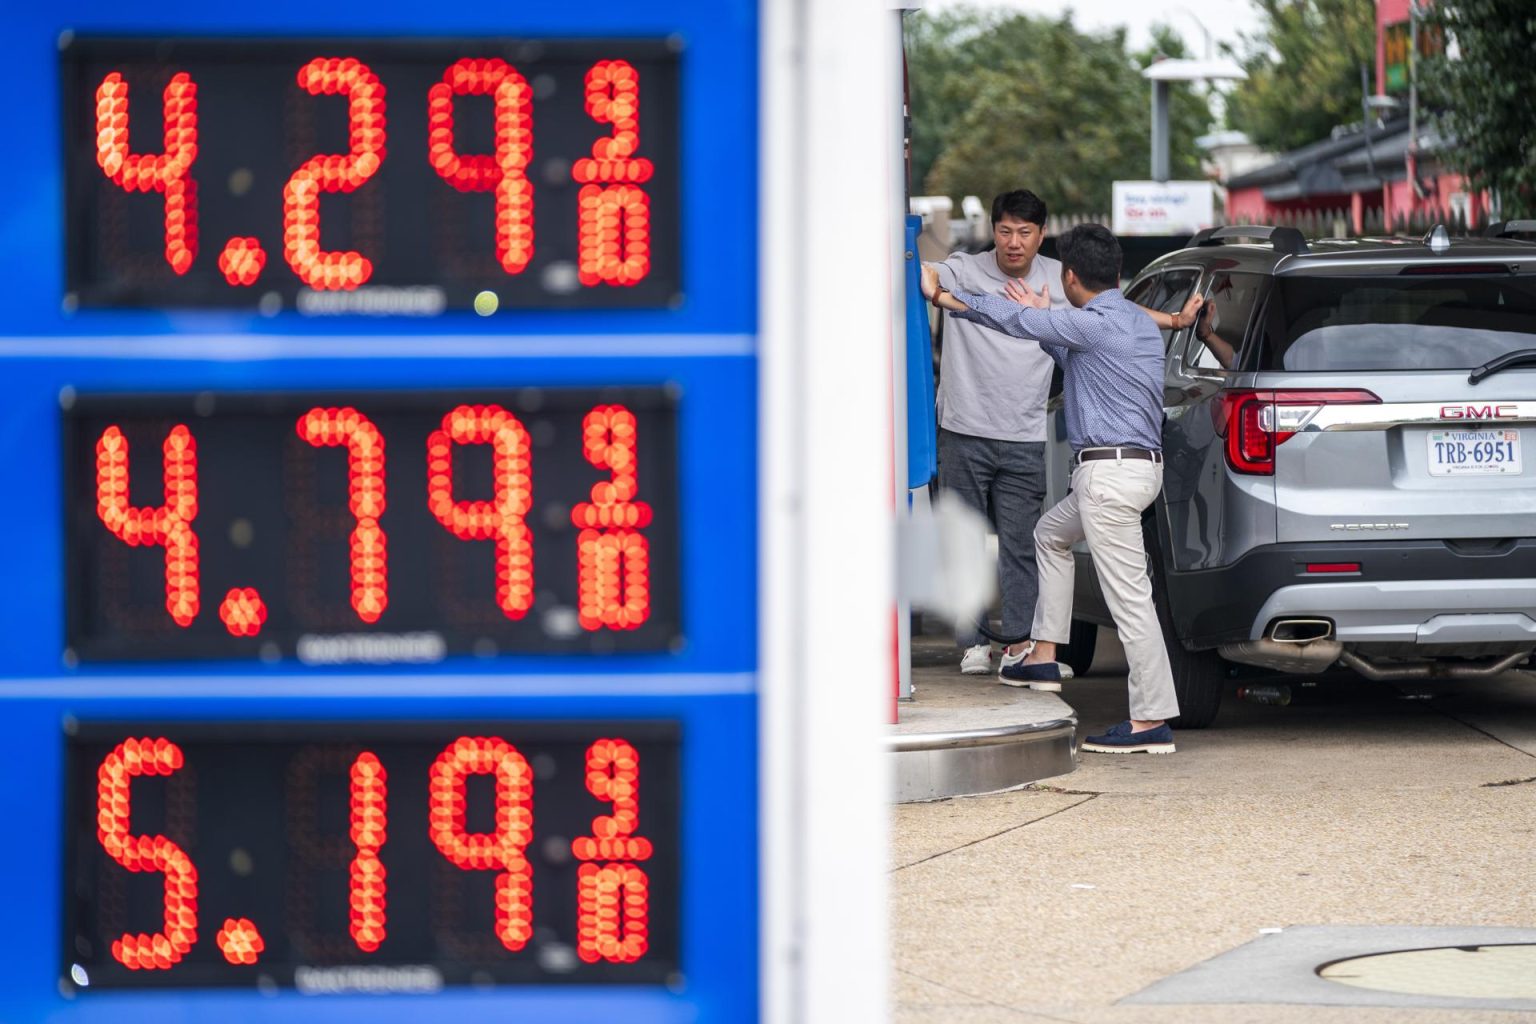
{"x": 1078, "y": 654}
{"x": 1199, "y": 677}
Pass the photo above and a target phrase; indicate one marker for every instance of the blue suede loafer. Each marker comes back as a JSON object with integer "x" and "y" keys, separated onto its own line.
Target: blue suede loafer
{"x": 1042, "y": 676}
{"x": 1118, "y": 739}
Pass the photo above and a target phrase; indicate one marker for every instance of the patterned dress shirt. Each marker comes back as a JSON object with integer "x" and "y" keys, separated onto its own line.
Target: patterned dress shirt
{"x": 1111, "y": 355}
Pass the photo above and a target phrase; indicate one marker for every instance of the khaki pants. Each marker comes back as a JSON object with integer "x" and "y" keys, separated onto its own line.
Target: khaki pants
{"x": 1105, "y": 506}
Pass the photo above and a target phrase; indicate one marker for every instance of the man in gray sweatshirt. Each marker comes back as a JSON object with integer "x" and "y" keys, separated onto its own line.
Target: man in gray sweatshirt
{"x": 991, "y": 412}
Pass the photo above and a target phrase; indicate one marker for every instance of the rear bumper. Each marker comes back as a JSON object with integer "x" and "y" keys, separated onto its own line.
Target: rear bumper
{"x": 1411, "y": 611}
{"x": 1406, "y": 592}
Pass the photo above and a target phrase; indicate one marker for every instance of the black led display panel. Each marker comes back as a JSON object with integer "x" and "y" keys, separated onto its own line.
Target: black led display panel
{"x": 371, "y": 527}
{"x": 384, "y": 857}
{"x": 345, "y": 175}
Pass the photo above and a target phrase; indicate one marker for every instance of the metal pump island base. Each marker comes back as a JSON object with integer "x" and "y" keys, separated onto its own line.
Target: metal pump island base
{"x": 965, "y": 735}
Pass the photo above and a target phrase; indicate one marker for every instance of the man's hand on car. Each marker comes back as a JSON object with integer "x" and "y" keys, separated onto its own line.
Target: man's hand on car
{"x": 1191, "y": 311}
{"x": 1205, "y": 323}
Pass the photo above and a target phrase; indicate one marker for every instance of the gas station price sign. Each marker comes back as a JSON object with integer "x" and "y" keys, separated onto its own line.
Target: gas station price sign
{"x": 371, "y": 527}
{"x": 373, "y": 666}
{"x": 390, "y": 857}
{"x": 373, "y": 176}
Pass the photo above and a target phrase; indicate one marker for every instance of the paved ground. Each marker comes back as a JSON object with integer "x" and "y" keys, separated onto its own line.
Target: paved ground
{"x": 1352, "y": 806}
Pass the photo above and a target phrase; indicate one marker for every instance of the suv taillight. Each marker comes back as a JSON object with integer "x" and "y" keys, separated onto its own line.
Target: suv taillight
{"x": 1256, "y": 422}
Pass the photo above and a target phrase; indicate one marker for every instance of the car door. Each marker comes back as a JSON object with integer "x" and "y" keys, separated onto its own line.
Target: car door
{"x": 1201, "y": 363}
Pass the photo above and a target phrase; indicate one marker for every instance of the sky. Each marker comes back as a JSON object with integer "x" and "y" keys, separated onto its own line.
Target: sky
{"x": 1223, "y": 19}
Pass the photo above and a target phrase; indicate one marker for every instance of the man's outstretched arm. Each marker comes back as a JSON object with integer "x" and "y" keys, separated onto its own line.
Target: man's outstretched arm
{"x": 1034, "y": 322}
{"x": 1177, "y": 321}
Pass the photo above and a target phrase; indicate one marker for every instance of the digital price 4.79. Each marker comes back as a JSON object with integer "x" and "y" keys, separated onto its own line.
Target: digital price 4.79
{"x": 372, "y": 527}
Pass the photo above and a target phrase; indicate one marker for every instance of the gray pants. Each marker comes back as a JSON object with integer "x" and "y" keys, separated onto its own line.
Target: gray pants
{"x": 1004, "y": 481}
{"x": 1105, "y": 507}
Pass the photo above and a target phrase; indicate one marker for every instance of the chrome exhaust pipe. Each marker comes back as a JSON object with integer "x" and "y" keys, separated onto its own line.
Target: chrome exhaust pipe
{"x": 1432, "y": 669}
{"x": 1291, "y": 657}
{"x": 1300, "y": 631}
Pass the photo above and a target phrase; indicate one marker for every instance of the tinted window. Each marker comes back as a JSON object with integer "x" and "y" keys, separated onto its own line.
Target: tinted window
{"x": 1139, "y": 291}
{"x": 1218, "y": 335}
{"x": 1398, "y": 323}
{"x": 1165, "y": 292}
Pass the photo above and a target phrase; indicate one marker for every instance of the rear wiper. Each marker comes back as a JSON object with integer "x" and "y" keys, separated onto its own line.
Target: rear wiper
{"x": 1508, "y": 359}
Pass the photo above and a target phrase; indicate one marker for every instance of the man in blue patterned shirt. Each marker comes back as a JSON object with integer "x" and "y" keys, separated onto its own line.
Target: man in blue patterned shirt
{"x": 1111, "y": 355}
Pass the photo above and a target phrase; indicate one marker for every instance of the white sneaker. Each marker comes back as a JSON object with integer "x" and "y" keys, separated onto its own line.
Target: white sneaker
{"x": 1014, "y": 659}
{"x": 977, "y": 660}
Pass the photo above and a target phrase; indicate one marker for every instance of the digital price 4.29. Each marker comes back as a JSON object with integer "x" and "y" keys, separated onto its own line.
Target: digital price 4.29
{"x": 415, "y": 172}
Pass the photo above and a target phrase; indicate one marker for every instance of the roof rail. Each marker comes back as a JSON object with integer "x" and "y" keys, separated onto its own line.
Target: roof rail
{"x": 1509, "y": 228}
{"x": 1289, "y": 241}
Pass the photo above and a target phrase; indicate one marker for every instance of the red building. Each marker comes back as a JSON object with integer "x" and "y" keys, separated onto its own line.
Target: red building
{"x": 1384, "y": 175}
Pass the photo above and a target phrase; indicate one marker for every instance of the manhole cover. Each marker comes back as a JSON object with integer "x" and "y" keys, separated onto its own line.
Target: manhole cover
{"x": 1468, "y": 972}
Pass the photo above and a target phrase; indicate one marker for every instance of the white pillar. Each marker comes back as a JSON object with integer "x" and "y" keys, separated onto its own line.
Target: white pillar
{"x": 827, "y": 305}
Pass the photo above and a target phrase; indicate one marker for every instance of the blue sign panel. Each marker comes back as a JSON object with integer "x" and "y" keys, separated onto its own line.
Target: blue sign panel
{"x": 380, "y": 611}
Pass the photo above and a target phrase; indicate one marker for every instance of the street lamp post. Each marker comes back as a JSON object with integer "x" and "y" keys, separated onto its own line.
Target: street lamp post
{"x": 1161, "y": 74}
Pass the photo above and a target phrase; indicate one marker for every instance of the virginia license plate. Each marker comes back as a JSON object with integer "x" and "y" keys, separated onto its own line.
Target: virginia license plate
{"x": 1474, "y": 452}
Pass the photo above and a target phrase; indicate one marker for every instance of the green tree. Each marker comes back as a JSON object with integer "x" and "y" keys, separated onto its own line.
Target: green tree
{"x": 1484, "y": 93}
{"x": 1304, "y": 70}
{"x": 1002, "y": 101}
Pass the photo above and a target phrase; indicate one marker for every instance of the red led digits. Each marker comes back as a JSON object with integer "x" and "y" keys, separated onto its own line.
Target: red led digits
{"x": 613, "y": 97}
{"x": 169, "y": 172}
{"x": 334, "y": 271}
{"x": 319, "y": 851}
{"x": 506, "y": 170}
{"x": 239, "y": 941}
{"x": 332, "y": 427}
{"x": 168, "y": 525}
{"x": 614, "y": 235}
{"x": 130, "y": 758}
{"x": 484, "y": 851}
{"x": 242, "y": 261}
{"x": 367, "y": 886}
{"x": 613, "y": 898}
{"x": 614, "y": 220}
{"x": 243, "y": 612}
{"x": 501, "y": 519}
{"x": 613, "y": 558}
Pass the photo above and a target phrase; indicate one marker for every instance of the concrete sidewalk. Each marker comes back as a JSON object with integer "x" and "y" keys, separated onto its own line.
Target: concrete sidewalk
{"x": 945, "y": 700}
{"x": 1353, "y": 806}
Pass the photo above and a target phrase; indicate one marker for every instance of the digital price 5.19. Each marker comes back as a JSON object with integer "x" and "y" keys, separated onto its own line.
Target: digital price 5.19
{"x": 524, "y": 851}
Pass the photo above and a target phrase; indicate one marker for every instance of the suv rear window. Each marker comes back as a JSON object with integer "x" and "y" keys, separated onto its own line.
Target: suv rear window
{"x": 1449, "y": 322}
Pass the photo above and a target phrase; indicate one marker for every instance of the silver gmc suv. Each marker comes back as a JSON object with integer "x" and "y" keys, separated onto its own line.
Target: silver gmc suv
{"x": 1350, "y": 476}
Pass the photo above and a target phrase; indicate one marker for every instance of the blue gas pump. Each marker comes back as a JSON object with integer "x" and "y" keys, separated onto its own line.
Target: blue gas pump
{"x": 922, "y": 423}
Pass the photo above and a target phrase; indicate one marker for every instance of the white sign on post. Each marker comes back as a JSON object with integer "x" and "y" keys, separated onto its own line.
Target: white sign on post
{"x": 1163, "y": 207}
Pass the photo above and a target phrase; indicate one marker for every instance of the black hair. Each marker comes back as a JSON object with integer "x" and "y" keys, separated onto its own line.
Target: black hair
{"x": 1091, "y": 252}
{"x": 1020, "y": 203}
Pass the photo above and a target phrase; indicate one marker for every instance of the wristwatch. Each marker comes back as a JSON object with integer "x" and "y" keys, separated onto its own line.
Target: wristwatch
{"x": 941, "y": 290}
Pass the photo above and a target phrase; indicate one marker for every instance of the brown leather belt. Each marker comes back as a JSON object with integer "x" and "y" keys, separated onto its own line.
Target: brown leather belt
{"x": 1090, "y": 454}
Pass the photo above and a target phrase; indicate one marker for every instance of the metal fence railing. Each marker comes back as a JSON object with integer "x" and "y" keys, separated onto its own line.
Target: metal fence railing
{"x": 1325, "y": 223}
